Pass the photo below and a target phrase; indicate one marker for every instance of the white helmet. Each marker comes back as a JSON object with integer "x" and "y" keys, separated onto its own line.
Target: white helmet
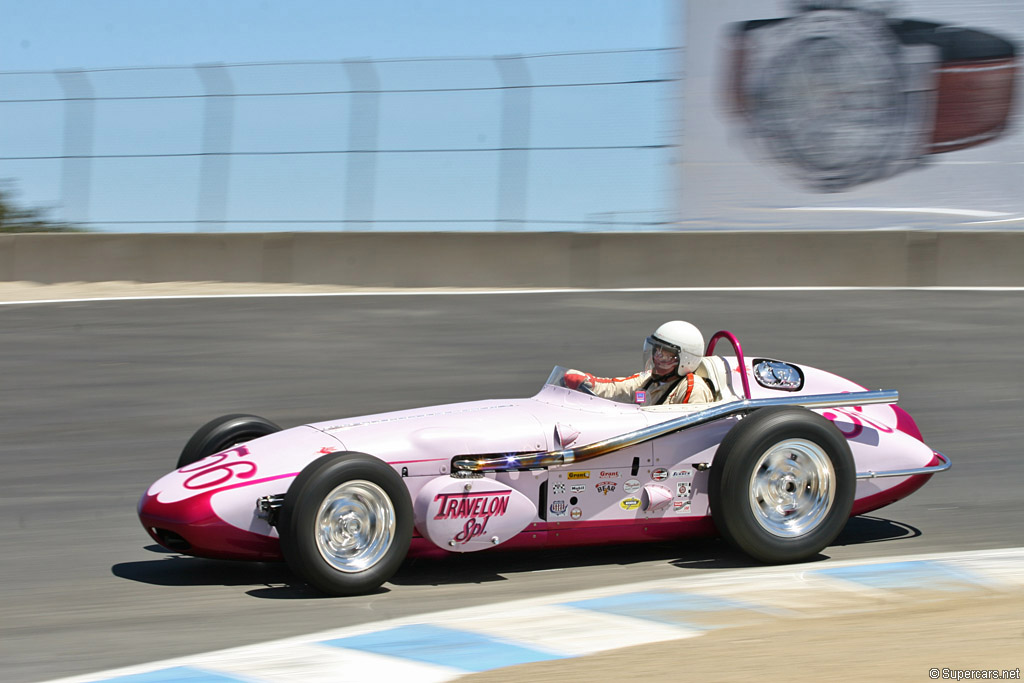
{"x": 681, "y": 338}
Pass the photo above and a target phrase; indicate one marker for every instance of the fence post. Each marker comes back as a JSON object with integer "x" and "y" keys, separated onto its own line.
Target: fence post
{"x": 513, "y": 170}
{"x": 218, "y": 129}
{"x": 79, "y": 129}
{"x": 361, "y": 171}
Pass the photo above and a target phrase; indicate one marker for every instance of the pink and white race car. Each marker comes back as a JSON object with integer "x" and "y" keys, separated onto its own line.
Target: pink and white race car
{"x": 777, "y": 464}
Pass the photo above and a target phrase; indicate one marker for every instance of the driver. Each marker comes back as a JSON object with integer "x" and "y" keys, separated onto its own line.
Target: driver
{"x": 671, "y": 355}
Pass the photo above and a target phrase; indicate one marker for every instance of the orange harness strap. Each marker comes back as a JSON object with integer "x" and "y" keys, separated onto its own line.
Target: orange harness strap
{"x": 689, "y": 388}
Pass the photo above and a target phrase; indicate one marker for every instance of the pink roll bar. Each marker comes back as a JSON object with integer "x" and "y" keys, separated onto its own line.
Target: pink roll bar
{"x": 731, "y": 338}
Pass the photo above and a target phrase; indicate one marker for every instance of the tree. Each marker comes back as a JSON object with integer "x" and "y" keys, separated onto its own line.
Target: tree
{"x": 14, "y": 219}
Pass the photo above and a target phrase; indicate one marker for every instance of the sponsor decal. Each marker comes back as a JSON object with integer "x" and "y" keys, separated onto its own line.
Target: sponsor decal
{"x": 608, "y": 475}
{"x": 640, "y": 397}
{"x": 606, "y": 487}
{"x": 466, "y": 505}
{"x": 681, "y": 506}
{"x": 558, "y": 487}
{"x": 684, "y": 488}
{"x": 631, "y": 486}
{"x": 578, "y": 488}
{"x": 558, "y": 508}
{"x": 629, "y": 503}
{"x": 576, "y": 513}
{"x": 676, "y": 474}
{"x": 472, "y": 529}
{"x": 476, "y": 508}
{"x": 660, "y": 474}
{"x": 578, "y": 475}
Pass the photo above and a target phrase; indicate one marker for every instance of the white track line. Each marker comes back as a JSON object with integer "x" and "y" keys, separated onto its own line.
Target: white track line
{"x": 494, "y": 292}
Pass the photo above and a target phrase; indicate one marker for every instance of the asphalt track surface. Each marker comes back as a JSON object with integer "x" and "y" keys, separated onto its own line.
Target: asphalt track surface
{"x": 99, "y": 397}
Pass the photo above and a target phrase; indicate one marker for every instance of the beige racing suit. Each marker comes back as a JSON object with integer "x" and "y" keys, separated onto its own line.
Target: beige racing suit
{"x": 644, "y": 389}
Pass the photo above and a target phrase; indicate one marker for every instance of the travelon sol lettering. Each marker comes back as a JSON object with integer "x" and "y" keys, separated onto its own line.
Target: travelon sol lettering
{"x": 466, "y": 505}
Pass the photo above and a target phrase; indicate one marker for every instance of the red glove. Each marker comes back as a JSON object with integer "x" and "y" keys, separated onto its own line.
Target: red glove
{"x": 574, "y": 379}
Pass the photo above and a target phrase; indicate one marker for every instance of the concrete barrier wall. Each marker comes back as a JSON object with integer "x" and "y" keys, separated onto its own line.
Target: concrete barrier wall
{"x": 682, "y": 259}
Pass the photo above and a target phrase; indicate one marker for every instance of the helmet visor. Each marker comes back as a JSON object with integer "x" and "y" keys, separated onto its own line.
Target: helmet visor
{"x": 660, "y": 357}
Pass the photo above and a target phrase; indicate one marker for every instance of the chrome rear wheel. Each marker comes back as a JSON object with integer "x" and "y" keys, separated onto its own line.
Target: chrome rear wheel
{"x": 782, "y": 484}
{"x": 792, "y": 488}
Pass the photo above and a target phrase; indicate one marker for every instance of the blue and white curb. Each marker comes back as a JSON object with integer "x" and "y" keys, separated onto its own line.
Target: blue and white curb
{"x": 443, "y": 646}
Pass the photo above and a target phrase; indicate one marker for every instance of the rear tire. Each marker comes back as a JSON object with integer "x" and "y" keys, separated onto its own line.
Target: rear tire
{"x": 346, "y": 523}
{"x": 222, "y": 433}
{"x": 782, "y": 484}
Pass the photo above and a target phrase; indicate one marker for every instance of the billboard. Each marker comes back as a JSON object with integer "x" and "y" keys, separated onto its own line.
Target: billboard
{"x": 852, "y": 114}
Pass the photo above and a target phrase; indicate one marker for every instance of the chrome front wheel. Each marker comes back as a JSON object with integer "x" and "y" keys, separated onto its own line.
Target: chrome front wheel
{"x": 346, "y": 523}
{"x": 355, "y": 526}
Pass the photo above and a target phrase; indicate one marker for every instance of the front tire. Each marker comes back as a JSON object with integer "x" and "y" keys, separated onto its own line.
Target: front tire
{"x": 782, "y": 484}
{"x": 346, "y": 523}
{"x": 222, "y": 433}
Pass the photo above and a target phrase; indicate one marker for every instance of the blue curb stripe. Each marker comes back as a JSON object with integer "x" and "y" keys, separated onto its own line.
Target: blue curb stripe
{"x": 923, "y": 574}
{"x": 443, "y": 646}
{"x": 177, "y": 674}
{"x": 677, "y": 609}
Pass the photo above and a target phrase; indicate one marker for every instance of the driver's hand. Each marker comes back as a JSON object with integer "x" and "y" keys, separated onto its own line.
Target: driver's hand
{"x": 573, "y": 380}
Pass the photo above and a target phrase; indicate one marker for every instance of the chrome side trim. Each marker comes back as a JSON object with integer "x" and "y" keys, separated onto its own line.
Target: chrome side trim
{"x": 514, "y": 461}
{"x": 932, "y": 469}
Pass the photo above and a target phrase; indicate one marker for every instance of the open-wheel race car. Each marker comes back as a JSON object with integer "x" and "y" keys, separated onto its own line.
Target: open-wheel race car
{"x": 777, "y": 463}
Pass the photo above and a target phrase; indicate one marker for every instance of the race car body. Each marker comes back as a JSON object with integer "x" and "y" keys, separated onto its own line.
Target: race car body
{"x": 776, "y": 464}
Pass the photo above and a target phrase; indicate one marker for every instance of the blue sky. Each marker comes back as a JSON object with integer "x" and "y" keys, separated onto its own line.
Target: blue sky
{"x": 49, "y": 34}
{"x": 40, "y": 37}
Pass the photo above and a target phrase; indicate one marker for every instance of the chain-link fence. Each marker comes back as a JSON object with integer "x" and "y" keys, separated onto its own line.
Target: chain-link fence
{"x": 575, "y": 141}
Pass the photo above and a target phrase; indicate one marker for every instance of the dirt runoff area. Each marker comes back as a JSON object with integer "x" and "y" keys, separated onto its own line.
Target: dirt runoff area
{"x": 943, "y": 638}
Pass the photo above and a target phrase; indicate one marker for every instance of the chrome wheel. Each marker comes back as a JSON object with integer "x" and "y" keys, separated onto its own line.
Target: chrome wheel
{"x": 792, "y": 488}
{"x": 355, "y": 526}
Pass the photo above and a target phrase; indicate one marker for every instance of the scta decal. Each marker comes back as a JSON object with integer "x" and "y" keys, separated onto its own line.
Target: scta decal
{"x": 681, "y": 506}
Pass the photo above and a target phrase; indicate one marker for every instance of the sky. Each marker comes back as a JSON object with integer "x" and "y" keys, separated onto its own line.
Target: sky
{"x": 49, "y": 34}
{"x": 41, "y": 37}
